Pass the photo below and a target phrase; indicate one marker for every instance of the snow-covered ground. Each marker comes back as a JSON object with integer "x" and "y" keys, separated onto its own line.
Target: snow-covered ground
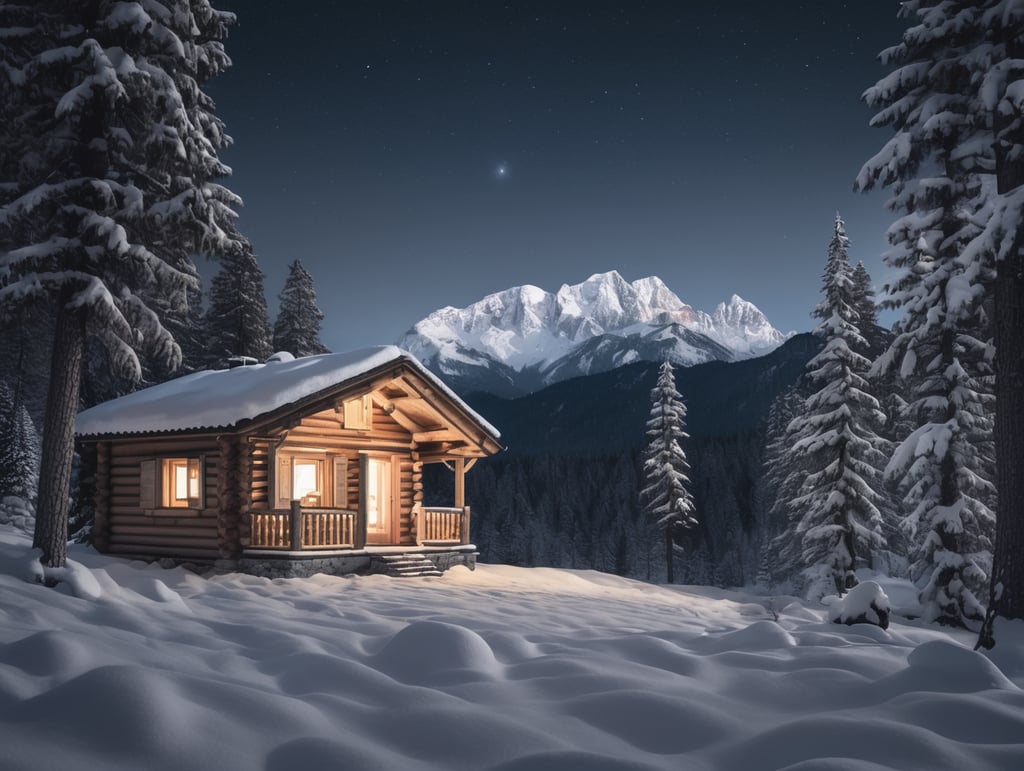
{"x": 501, "y": 668}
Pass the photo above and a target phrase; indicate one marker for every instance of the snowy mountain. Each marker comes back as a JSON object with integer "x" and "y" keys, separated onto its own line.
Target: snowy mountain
{"x": 523, "y": 338}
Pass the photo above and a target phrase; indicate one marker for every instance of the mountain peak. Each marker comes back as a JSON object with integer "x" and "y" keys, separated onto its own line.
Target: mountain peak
{"x": 600, "y": 322}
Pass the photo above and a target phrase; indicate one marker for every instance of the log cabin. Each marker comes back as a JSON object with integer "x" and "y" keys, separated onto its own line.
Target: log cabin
{"x": 287, "y": 468}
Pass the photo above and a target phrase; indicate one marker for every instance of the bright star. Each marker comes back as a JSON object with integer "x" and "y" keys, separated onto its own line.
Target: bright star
{"x": 501, "y": 171}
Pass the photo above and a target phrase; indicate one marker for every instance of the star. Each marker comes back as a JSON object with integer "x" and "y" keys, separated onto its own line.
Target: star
{"x": 502, "y": 171}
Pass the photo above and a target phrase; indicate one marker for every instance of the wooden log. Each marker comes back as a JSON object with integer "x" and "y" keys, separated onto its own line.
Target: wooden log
{"x": 153, "y": 540}
{"x": 168, "y": 447}
{"x": 125, "y": 532}
{"x": 170, "y": 551}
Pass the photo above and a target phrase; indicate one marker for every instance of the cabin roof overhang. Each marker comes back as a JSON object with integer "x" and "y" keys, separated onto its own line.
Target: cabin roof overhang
{"x": 439, "y": 424}
{"x": 438, "y": 420}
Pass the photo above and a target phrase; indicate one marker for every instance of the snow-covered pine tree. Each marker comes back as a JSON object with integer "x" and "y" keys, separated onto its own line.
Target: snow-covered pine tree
{"x": 111, "y": 152}
{"x": 835, "y": 515}
{"x": 936, "y": 167}
{"x": 864, "y": 304}
{"x": 297, "y": 328}
{"x": 236, "y": 318}
{"x": 664, "y": 492}
{"x": 19, "y": 461}
{"x": 887, "y": 390}
{"x": 998, "y": 65}
{"x": 779, "y": 559}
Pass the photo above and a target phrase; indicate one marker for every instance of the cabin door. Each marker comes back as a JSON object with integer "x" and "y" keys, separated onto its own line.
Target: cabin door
{"x": 379, "y": 482}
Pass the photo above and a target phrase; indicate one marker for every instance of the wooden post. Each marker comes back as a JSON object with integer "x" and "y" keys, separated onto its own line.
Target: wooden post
{"x": 101, "y": 525}
{"x": 460, "y": 482}
{"x": 464, "y": 526}
{"x": 359, "y": 537}
{"x": 296, "y": 522}
{"x": 229, "y": 486}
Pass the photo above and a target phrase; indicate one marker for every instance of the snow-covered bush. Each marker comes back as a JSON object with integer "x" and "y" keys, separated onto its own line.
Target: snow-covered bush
{"x": 18, "y": 513}
{"x": 866, "y": 603}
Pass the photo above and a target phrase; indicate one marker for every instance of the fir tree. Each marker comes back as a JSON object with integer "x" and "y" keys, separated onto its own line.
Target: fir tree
{"x": 835, "y": 515}
{"x": 783, "y": 474}
{"x": 875, "y": 336}
{"x": 110, "y": 149}
{"x": 184, "y": 318}
{"x": 19, "y": 461}
{"x": 665, "y": 492}
{"x": 998, "y": 65}
{"x": 236, "y": 319}
{"x": 936, "y": 167}
{"x": 297, "y": 328}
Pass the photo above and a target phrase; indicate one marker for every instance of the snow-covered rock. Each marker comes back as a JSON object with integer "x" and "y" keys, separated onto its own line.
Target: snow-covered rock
{"x": 529, "y": 337}
{"x": 866, "y": 603}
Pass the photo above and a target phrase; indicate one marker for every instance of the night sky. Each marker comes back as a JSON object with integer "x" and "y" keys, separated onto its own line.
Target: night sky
{"x": 421, "y": 154}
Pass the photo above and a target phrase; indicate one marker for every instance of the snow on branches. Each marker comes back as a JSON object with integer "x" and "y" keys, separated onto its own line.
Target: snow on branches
{"x": 834, "y": 449}
{"x": 664, "y": 491}
{"x": 939, "y": 166}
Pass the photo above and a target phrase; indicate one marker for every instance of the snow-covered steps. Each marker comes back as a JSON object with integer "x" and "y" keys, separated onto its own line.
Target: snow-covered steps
{"x": 406, "y": 565}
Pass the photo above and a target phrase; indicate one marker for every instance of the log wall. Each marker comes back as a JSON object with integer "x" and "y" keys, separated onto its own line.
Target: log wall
{"x": 127, "y": 528}
{"x": 238, "y": 479}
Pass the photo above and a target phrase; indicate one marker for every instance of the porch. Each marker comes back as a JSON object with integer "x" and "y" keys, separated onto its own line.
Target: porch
{"x": 312, "y": 529}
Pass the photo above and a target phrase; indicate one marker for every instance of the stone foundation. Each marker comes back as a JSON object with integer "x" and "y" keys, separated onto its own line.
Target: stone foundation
{"x": 296, "y": 565}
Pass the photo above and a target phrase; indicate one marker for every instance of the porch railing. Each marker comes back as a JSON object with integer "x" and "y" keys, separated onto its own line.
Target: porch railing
{"x": 443, "y": 525}
{"x": 303, "y": 529}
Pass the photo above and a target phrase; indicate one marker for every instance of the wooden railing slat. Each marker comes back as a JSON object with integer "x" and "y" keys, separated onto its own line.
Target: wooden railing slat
{"x": 271, "y": 530}
{"x": 441, "y": 523}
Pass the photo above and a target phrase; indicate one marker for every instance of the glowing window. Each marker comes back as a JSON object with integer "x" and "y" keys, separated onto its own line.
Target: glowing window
{"x": 182, "y": 478}
{"x": 306, "y": 481}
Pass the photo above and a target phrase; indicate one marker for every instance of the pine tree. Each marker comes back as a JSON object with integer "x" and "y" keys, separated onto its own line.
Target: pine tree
{"x": 866, "y": 308}
{"x": 935, "y": 167}
{"x": 19, "y": 461}
{"x": 297, "y": 328}
{"x": 236, "y": 319}
{"x": 110, "y": 149}
{"x": 783, "y": 475}
{"x": 998, "y": 65}
{"x": 184, "y": 319}
{"x": 665, "y": 492}
{"x": 835, "y": 515}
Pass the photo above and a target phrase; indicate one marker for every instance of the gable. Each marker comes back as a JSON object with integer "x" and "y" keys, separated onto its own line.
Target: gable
{"x": 399, "y": 404}
{"x": 246, "y": 397}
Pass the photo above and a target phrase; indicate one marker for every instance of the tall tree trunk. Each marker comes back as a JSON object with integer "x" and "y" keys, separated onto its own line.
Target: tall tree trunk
{"x": 1008, "y": 338}
{"x": 51, "y": 531}
{"x": 1008, "y": 560}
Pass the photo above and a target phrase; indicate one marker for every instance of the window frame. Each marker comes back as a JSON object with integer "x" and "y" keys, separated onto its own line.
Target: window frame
{"x": 358, "y": 413}
{"x": 157, "y": 483}
{"x": 332, "y": 472}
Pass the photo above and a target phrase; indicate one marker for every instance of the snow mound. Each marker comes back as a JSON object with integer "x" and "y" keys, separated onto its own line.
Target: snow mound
{"x": 759, "y": 636}
{"x": 962, "y": 669}
{"x": 428, "y": 651}
{"x": 658, "y": 723}
{"x": 497, "y": 669}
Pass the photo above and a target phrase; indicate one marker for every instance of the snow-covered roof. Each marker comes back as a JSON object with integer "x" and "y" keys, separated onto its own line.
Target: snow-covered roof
{"x": 223, "y": 398}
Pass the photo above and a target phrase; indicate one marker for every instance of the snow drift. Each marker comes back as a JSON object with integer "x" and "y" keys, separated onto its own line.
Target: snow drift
{"x": 505, "y": 669}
